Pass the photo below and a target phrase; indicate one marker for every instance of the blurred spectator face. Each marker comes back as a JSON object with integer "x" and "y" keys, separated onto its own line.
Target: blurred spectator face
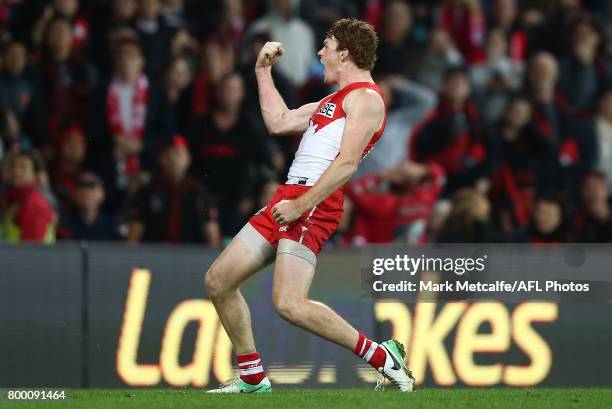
{"x": 594, "y": 189}
{"x": 518, "y": 114}
{"x": 398, "y": 19}
{"x": 179, "y": 75}
{"x": 73, "y": 147}
{"x": 585, "y": 36}
{"x": 547, "y": 216}
{"x": 89, "y": 194}
{"x": 125, "y": 9}
{"x": 543, "y": 70}
{"x": 66, "y": 8}
{"x": 282, "y": 7}
{"x": 497, "y": 45}
{"x": 439, "y": 41}
{"x": 230, "y": 92}
{"x": 59, "y": 39}
{"x": 15, "y": 58}
{"x": 175, "y": 161}
{"x": 149, "y": 9}
{"x": 456, "y": 87}
{"x": 129, "y": 62}
{"x": 22, "y": 171}
{"x": 505, "y": 12}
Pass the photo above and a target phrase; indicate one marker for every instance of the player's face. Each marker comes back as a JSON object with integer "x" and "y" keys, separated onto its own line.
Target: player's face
{"x": 330, "y": 58}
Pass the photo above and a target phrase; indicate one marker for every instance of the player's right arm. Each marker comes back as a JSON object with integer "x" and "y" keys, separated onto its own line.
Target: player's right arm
{"x": 279, "y": 119}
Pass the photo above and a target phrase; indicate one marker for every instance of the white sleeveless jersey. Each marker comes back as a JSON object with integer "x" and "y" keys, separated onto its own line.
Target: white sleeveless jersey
{"x": 320, "y": 143}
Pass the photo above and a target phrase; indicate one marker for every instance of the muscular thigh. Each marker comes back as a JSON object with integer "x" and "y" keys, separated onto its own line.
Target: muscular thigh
{"x": 292, "y": 278}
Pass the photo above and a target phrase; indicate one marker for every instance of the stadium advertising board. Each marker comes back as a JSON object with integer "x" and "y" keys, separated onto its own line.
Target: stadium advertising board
{"x": 110, "y": 316}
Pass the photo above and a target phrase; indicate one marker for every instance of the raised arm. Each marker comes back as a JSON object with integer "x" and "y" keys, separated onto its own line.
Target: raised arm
{"x": 365, "y": 112}
{"x": 279, "y": 119}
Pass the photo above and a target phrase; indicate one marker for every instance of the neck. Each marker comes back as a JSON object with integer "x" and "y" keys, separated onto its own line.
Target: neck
{"x": 173, "y": 93}
{"x": 128, "y": 79}
{"x": 175, "y": 179}
{"x": 89, "y": 215}
{"x": 352, "y": 75}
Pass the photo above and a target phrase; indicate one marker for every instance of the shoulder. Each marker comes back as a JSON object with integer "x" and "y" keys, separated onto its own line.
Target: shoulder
{"x": 363, "y": 100}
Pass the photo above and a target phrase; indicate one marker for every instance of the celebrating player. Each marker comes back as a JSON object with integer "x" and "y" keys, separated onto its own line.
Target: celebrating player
{"x": 338, "y": 132}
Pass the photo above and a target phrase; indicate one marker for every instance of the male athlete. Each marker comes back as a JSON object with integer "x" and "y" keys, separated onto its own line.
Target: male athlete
{"x": 338, "y": 132}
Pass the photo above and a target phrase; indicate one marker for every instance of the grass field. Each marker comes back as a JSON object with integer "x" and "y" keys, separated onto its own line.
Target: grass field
{"x": 332, "y": 399}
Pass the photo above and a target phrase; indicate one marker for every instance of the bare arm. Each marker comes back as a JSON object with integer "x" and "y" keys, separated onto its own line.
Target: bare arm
{"x": 364, "y": 116}
{"x": 279, "y": 119}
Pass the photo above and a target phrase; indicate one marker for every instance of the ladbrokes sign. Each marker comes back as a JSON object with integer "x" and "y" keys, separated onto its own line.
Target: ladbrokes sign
{"x": 149, "y": 324}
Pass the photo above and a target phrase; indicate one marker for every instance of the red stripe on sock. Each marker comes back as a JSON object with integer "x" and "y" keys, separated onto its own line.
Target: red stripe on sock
{"x": 360, "y": 342}
{"x": 255, "y": 378}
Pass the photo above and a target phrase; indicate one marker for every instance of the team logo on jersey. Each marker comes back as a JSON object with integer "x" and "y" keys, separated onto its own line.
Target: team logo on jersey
{"x": 328, "y": 110}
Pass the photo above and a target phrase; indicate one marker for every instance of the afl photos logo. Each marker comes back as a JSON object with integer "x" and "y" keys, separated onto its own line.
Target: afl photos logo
{"x": 328, "y": 110}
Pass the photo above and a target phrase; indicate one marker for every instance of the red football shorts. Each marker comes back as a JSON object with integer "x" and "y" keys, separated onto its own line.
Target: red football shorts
{"x": 312, "y": 229}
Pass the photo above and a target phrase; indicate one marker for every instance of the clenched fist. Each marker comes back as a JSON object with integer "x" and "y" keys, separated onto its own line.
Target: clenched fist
{"x": 269, "y": 54}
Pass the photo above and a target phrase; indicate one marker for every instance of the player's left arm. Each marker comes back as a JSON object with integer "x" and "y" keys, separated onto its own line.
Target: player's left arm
{"x": 365, "y": 112}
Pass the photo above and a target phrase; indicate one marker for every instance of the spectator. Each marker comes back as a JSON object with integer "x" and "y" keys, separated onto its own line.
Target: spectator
{"x": 119, "y": 15}
{"x": 69, "y": 159}
{"x": 175, "y": 208}
{"x": 496, "y": 79}
{"x": 67, "y": 79}
{"x": 452, "y": 136}
{"x": 468, "y": 220}
{"x": 67, "y": 9}
{"x": 505, "y": 17}
{"x": 407, "y": 103}
{"x": 297, "y": 36}
{"x": 397, "y": 46}
{"x": 26, "y": 214}
{"x": 572, "y": 141}
{"x": 463, "y": 20}
{"x": 592, "y": 222}
{"x": 178, "y": 84}
{"x": 584, "y": 69}
{"x": 547, "y": 223}
{"x": 18, "y": 94}
{"x": 393, "y": 205}
{"x": 218, "y": 59}
{"x": 603, "y": 130}
{"x": 132, "y": 117}
{"x": 155, "y": 36}
{"x": 227, "y": 149}
{"x": 86, "y": 220}
{"x": 439, "y": 56}
{"x": 523, "y": 166}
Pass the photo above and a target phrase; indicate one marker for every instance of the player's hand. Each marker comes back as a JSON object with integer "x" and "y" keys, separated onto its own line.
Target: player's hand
{"x": 269, "y": 54}
{"x": 286, "y": 211}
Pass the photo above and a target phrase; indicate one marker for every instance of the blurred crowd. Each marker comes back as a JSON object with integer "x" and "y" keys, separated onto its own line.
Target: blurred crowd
{"x": 139, "y": 120}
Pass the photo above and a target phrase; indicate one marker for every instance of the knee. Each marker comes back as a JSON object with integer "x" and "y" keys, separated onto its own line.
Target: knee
{"x": 214, "y": 282}
{"x": 288, "y": 308}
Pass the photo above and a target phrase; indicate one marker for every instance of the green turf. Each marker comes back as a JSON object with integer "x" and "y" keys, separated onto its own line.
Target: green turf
{"x": 333, "y": 398}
